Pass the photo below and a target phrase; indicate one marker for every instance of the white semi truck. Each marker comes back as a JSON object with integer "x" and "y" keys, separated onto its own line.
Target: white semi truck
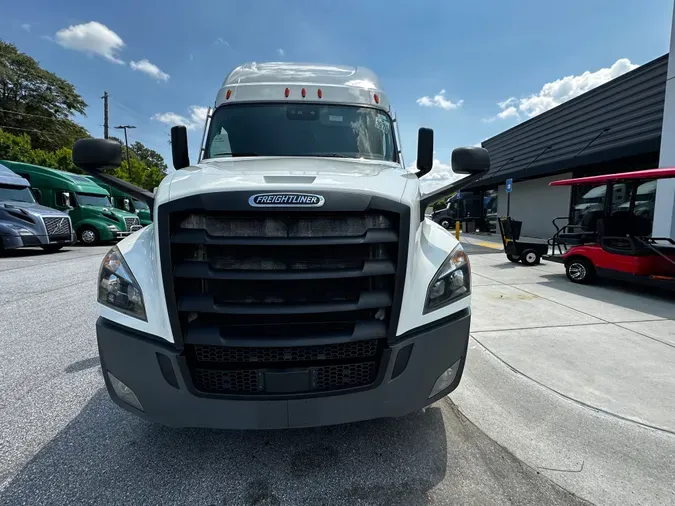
{"x": 290, "y": 277}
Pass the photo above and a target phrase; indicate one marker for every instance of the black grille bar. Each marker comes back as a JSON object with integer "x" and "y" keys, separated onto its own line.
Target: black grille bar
{"x": 199, "y": 270}
{"x": 186, "y": 236}
{"x": 207, "y": 304}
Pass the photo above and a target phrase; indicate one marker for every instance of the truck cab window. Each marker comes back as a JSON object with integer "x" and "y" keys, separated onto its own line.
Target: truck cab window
{"x": 270, "y": 129}
{"x": 15, "y": 194}
{"x": 88, "y": 199}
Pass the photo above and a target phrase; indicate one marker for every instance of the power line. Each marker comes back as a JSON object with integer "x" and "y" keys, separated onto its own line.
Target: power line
{"x": 32, "y": 115}
{"x": 24, "y": 129}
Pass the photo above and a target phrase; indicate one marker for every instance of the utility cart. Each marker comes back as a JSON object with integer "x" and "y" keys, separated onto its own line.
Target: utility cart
{"x": 529, "y": 251}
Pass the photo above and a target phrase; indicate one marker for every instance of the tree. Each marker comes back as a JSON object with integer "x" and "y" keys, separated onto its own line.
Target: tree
{"x": 38, "y": 102}
{"x": 148, "y": 156}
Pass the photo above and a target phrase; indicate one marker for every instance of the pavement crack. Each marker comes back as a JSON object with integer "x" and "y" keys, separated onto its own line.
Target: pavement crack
{"x": 564, "y": 470}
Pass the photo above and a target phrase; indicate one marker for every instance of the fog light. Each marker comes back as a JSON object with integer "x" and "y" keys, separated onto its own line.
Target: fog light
{"x": 124, "y": 392}
{"x": 445, "y": 379}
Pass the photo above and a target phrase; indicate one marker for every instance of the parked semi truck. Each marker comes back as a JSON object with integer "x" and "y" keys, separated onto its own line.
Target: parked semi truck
{"x": 89, "y": 206}
{"x": 121, "y": 200}
{"x": 290, "y": 278}
{"x": 479, "y": 207}
{"x": 24, "y": 222}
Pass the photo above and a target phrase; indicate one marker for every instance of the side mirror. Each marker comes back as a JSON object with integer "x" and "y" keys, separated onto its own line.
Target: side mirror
{"x": 66, "y": 200}
{"x": 37, "y": 193}
{"x": 127, "y": 205}
{"x": 179, "y": 147}
{"x": 470, "y": 160}
{"x": 425, "y": 151}
{"x": 96, "y": 155}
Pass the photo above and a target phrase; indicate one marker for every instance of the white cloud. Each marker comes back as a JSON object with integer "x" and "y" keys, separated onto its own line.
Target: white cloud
{"x": 439, "y": 100}
{"x": 150, "y": 69}
{"x": 92, "y": 38}
{"x": 196, "y": 118}
{"x": 26, "y": 26}
{"x": 223, "y": 42}
{"x": 560, "y": 91}
{"x": 281, "y": 52}
{"x": 440, "y": 175}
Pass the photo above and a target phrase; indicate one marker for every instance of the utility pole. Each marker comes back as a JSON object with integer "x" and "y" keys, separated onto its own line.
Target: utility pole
{"x": 105, "y": 114}
{"x": 126, "y": 141}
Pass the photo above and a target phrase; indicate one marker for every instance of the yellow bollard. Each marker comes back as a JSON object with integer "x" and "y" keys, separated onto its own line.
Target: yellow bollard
{"x": 458, "y": 226}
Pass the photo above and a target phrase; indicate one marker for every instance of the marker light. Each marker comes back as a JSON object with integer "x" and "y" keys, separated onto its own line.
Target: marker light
{"x": 303, "y": 93}
{"x": 377, "y": 99}
{"x": 227, "y": 95}
{"x": 287, "y": 92}
{"x": 319, "y": 93}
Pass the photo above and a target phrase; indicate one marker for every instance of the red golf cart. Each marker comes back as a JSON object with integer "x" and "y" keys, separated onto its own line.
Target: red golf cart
{"x": 612, "y": 237}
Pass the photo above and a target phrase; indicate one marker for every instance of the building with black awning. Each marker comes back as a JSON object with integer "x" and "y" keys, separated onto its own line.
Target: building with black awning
{"x": 615, "y": 127}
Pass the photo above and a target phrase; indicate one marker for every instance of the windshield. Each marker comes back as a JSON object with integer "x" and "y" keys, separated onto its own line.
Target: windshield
{"x": 88, "y": 199}
{"x": 140, "y": 205}
{"x": 16, "y": 194}
{"x": 301, "y": 130}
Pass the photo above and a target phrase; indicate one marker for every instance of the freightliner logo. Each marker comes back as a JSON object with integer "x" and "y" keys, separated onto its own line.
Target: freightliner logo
{"x": 286, "y": 200}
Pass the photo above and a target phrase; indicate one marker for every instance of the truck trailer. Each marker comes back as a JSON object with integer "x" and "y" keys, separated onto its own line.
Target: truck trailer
{"x": 289, "y": 277}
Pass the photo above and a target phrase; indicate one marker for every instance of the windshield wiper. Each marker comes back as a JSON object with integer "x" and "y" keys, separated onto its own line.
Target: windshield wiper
{"x": 329, "y": 155}
{"x": 250, "y": 153}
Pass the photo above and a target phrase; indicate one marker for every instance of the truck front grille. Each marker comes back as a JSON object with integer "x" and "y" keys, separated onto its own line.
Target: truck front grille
{"x": 132, "y": 224}
{"x": 57, "y": 226}
{"x": 277, "y": 302}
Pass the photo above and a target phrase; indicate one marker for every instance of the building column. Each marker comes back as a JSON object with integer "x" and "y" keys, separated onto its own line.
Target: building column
{"x": 664, "y": 209}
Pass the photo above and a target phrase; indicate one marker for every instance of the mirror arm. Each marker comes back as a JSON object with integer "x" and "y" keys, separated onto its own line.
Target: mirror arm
{"x": 436, "y": 195}
{"x": 422, "y": 172}
{"x": 125, "y": 187}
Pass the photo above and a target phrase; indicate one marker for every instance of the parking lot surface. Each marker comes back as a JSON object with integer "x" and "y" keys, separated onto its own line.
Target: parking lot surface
{"x": 513, "y": 432}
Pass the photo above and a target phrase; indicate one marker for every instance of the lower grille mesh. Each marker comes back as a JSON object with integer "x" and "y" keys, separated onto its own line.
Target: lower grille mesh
{"x": 336, "y": 377}
{"x": 240, "y": 382}
{"x": 337, "y": 351}
{"x": 324, "y": 378}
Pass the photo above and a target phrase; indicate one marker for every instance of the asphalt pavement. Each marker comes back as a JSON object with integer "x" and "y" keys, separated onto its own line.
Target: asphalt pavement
{"x": 62, "y": 441}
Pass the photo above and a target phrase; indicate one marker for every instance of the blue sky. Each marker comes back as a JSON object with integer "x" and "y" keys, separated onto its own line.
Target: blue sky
{"x": 492, "y": 57}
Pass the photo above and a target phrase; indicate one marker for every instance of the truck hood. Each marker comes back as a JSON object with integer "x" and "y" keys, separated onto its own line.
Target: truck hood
{"x": 385, "y": 179}
{"x": 35, "y": 209}
{"x": 110, "y": 210}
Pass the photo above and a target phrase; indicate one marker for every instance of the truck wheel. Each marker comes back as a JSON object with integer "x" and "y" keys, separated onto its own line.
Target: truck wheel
{"x": 88, "y": 236}
{"x": 529, "y": 257}
{"x": 445, "y": 223}
{"x": 513, "y": 258}
{"x": 579, "y": 270}
{"x": 52, "y": 248}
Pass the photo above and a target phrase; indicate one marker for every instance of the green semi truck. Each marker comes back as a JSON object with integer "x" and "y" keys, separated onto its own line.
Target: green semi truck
{"x": 126, "y": 202}
{"x": 89, "y": 206}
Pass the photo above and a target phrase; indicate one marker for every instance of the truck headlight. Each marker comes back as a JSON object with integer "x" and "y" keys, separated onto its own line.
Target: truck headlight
{"x": 20, "y": 230}
{"x": 451, "y": 282}
{"x": 117, "y": 287}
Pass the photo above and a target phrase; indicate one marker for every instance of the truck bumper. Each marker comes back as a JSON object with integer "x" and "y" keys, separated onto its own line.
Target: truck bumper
{"x": 153, "y": 371}
{"x": 28, "y": 241}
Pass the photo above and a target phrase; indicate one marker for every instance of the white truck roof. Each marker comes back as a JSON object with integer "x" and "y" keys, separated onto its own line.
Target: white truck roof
{"x": 285, "y": 81}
